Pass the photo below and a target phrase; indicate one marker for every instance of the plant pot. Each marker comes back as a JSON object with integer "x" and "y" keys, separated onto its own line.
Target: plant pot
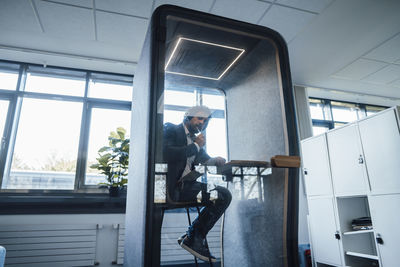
{"x": 114, "y": 191}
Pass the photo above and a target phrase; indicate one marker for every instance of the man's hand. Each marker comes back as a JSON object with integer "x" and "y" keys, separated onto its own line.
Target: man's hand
{"x": 200, "y": 140}
{"x": 219, "y": 161}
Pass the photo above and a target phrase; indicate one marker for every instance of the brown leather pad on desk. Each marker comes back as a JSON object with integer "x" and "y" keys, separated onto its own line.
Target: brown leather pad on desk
{"x": 281, "y": 161}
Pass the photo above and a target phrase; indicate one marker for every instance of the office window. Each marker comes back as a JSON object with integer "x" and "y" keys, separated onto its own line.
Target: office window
{"x": 371, "y": 110}
{"x": 179, "y": 98}
{"x": 328, "y": 114}
{"x": 3, "y": 116}
{"x": 317, "y": 109}
{"x": 46, "y": 146}
{"x": 214, "y": 101}
{"x": 345, "y": 112}
{"x": 51, "y": 81}
{"x": 8, "y": 76}
{"x": 58, "y": 120}
{"x": 319, "y": 129}
{"x": 173, "y": 116}
{"x": 108, "y": 86}
{"x": 216, "y": 138}
{"x": 103, "y": 121}
{"x": 177, "y": 102}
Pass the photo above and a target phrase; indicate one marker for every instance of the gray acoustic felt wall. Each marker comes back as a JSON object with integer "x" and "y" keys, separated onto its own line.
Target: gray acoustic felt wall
{"x": 254, "y": 228}
{"x": 255, "y": 109}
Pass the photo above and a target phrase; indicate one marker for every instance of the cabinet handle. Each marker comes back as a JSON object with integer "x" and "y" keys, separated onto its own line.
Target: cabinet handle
{"x": 379, "y": 239}
{"x": 337, "y": 235}
{"x": 305, "y": 171}
{"x": 361, "y": 159}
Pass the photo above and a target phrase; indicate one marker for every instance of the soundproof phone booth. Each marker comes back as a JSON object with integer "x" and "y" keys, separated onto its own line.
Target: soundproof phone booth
{"x": 241, "y": 73}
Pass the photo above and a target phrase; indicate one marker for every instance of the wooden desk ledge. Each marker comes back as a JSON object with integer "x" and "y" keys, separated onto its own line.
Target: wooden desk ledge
{"x": 281, "y": 161}
{"x": 248, "y": 163}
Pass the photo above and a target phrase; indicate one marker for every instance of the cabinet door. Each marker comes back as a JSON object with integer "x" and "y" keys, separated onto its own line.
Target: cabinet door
{"x": 386, "y": 221}
{"x": 323, "y": 229}
{"x": 346, "y": 159}
{"x": 316, "y": 166}
{"x": 381, "y": 143}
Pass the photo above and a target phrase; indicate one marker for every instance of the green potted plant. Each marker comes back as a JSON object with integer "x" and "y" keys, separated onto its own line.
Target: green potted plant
{"x": 113, "y": 161}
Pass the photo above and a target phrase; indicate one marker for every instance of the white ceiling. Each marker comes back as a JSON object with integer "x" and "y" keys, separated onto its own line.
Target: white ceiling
{"x": 338, "y": 46}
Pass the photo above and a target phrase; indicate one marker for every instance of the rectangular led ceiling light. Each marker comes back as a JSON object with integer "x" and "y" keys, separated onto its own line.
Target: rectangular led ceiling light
{"x": 201, "y": 59}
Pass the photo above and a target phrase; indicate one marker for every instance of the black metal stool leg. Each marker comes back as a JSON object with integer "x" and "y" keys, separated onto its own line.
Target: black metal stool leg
{"x": 206, "y": 243}
{"x": 190, "y": 223}
{"x": 158, "y": 215}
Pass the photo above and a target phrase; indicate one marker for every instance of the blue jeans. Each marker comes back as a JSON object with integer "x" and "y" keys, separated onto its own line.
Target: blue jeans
{"x": 211, "y": 211}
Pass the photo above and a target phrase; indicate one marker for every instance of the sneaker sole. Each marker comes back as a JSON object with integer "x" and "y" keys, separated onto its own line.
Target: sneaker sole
{"x": 197, "y": 255}
{"x": 180, "y": 239}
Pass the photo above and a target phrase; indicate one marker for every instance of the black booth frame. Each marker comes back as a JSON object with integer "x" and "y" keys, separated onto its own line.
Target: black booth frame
{"x": 156, "y": 79}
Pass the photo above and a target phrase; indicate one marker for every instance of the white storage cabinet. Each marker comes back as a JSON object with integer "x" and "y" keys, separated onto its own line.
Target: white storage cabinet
{"x": 352, "y": 172}
{"x": 316, "y": 167}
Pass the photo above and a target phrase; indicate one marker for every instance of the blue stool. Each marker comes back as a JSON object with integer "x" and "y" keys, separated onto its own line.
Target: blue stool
{"x": 302, "y": 255}
{"x": 2, "y": 256}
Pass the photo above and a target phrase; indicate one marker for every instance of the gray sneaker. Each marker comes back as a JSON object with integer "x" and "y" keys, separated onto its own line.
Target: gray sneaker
{"x": 196, "y": 247}
{"x": 181, "y": 238}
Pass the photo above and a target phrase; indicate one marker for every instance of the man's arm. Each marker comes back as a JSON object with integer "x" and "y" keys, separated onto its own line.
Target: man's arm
{"x": 217, "y": 161}
{"x": 172, "y": 149}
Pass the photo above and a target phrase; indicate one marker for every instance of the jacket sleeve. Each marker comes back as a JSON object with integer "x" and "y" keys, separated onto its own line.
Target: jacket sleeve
{"x": 173, "y": 148}
{"x": 201, "y": 157}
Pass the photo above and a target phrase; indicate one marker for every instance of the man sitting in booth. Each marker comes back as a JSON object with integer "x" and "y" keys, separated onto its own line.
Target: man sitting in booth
{"x": 183, "y": 148}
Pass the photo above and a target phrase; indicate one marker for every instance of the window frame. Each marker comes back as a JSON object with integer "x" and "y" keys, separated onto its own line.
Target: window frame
{"x": 329, "y": 120}
{"x": 15, "y": 99}
{"x": 84, "y": 140}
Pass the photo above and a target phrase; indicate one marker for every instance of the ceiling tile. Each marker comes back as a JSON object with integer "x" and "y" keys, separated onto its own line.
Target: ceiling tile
{"x": 388, "y": 51}
{"x": 203, "y": 5}
{"x": 244, "y": 10}
{"x": 66, "y": 21}
{"x": 359, "y": 69}
{"x": 385, "y": 75}
{"x": 311, "y": 5}
{"x": 82, "y": 3}
{"x": 121, "y": 30}
{"x": 18, "y": 16}
{"x": 140, "y": 8}
{"x": 286, "y": 21}
{"x": 396, "y": 83}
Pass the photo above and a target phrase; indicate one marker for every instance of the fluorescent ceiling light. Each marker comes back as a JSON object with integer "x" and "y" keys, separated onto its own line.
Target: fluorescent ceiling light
{"x": 179, "y": 43}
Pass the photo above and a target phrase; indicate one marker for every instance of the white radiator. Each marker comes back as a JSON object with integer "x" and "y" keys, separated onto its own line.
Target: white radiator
{"x": 49, "y": 245}
{"x": 120, "y": 243}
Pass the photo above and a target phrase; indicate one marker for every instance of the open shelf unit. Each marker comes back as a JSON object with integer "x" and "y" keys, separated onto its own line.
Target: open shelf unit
{"x": 356, "y": 244}
{"x": 358, "y": 232}
{"x": 361, "y": 255}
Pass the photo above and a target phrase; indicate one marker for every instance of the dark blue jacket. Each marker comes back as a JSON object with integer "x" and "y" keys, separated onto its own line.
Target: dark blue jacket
{"x": 175, "y": 152}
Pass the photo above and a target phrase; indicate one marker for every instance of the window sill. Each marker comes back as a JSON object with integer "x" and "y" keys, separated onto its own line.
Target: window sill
{"x": 71, "y": 203}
